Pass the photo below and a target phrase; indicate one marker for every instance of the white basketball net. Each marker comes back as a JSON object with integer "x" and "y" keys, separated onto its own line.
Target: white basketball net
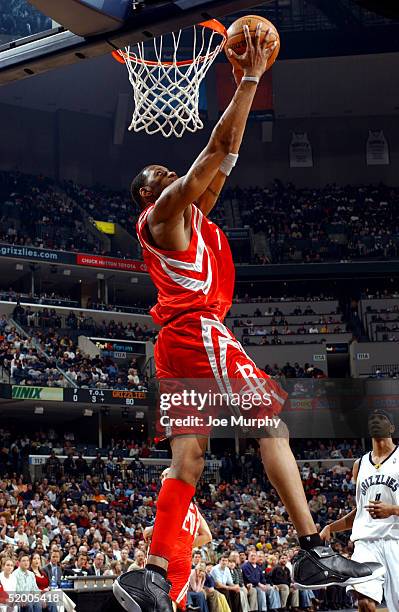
{"x": 166, "y": 93}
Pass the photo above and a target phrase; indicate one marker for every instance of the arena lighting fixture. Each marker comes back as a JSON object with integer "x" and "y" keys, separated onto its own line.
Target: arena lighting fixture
{"x": 38, "y": 410}
{"x": 87, "y": 412}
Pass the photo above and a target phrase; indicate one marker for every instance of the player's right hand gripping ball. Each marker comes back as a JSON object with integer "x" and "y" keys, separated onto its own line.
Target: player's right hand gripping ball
{"x": 236, "y": 37}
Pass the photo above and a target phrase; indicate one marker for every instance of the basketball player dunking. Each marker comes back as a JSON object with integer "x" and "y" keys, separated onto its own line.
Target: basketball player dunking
{"x": 194, "y": 533}
{"x": 190, "y": 262}
{"x": 375, "y": 520}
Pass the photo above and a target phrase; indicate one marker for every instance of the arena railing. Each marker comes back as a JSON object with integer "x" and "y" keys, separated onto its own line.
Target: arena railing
{"x": 150, "y": 469}
{"x": 144, "y": 469}
{"x": 25, "y": 298}
{"x": 126, "y": 316}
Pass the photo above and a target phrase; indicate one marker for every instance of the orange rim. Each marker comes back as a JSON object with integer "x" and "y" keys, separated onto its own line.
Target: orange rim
{"x": 212, "y": 24}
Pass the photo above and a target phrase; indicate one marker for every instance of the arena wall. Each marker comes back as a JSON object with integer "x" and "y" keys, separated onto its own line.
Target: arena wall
{"x": 78, "y": 146}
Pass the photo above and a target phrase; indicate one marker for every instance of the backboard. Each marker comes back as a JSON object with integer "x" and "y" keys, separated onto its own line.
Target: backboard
{"x": 49, "y": 46}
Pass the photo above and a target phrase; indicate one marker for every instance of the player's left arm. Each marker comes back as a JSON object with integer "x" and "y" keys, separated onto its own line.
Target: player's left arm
{"x": 204, "y": 534}
{"x": 380, "y": 510}
{"x": 211, "y": 194}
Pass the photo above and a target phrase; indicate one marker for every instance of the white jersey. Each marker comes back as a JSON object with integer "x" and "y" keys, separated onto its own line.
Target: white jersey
{"x": 374, "y": 482}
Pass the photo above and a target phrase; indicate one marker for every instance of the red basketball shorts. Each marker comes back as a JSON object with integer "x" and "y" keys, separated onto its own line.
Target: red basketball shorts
{"x": 198, "y": 346}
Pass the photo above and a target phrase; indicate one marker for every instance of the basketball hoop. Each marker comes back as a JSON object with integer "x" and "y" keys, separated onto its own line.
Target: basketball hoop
{"x": 165, "y": 89}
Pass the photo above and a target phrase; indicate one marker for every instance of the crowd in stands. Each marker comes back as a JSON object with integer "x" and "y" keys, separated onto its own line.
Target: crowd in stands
{"x": 294, "y": 371}
{"x": 273, "y": 330}
{"x": 52, "y": 318}
{"x": 270, "y": 332}
{"x": 47, "y": 358}
{"x": 33, "y": 213}
{"x": 263, "y": 299}
{"x": 51, "y": 299}
{"x": 18, "y": 18}
{"x": 114, "y": 206}
{"x": 314, "y": 225}
{"x": 54, "y": 299}
{"x": 104, "y": 204}
{"x": 22, "y": 361}
{"x": 135, "y": 306}
{"x": 380, "y": 294}
{"x": 93, "y": 513}
{"x": 305, "y": 225}
{"x": 15, "y": 447}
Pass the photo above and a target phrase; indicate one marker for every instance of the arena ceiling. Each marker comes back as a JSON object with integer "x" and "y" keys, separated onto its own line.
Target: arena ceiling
{"x": 313, "y": 30}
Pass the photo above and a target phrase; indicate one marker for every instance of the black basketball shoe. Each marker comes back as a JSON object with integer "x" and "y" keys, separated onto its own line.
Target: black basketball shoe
{"x": 143, "y": 591}
{"x": 322, "y": 567}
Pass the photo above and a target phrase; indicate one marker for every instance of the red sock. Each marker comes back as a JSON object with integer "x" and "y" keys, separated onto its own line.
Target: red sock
{"x": 172, "y": 506}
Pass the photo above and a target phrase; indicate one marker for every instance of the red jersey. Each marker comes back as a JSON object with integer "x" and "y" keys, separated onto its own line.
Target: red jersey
{"x": 201, "y": 278}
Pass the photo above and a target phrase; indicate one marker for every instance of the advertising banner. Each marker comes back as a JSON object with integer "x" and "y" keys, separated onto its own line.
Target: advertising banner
{"x": 35, "y": 254}
{"x": 112, "y": 263}
{"x": 46, "y": 394}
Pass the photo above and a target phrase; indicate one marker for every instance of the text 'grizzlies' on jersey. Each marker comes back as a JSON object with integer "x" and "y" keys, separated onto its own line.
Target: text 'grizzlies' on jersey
{"x": 376, "y": 482}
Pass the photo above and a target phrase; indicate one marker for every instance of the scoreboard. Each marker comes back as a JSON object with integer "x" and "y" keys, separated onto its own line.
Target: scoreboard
{"x": 111, "y": 397}
{"x": 106, "y": 396}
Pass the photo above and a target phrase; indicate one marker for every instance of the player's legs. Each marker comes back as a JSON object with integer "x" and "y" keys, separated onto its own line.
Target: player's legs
{"x": 369, "y": 594}
{"x": 390, "y": 552}
{"x": 316, "y": 566}
{"x": 175, "y": 496}
{"x": 365, "y": 604}
{"x": 147, "y": 590}
{"x": 278, "y": 460}
{"x": 282, "y": 471}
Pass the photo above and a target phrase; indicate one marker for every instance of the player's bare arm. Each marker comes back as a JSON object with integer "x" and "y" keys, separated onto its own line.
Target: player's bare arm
{"x": 211, "y": 195}
{"x": 170, "y": 228}
{"x": 345, "y": 523}
{"x": 147, "y": 533}
{"x": 204, "y": 534}
{"x": 208, "y": 199}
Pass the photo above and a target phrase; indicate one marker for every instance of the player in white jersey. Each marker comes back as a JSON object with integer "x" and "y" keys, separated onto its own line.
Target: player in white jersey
{"x": 375, "y": 520}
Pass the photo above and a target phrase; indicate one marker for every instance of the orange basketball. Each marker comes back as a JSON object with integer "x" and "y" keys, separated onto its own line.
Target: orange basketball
{"x": 236, "y": 37}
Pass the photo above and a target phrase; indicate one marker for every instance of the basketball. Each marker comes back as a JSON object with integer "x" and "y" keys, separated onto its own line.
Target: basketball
{"x": 236, "y": 37}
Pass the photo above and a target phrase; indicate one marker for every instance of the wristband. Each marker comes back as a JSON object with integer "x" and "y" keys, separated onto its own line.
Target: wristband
{"x": 228, "y": 163}
{"x": 253, "y": 79}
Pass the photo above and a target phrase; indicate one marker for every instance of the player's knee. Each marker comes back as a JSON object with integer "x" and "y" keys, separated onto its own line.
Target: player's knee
{"x": 279, "y": 443}
{"x": 366, "y": 605}
{"x": 189, "y": 467}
